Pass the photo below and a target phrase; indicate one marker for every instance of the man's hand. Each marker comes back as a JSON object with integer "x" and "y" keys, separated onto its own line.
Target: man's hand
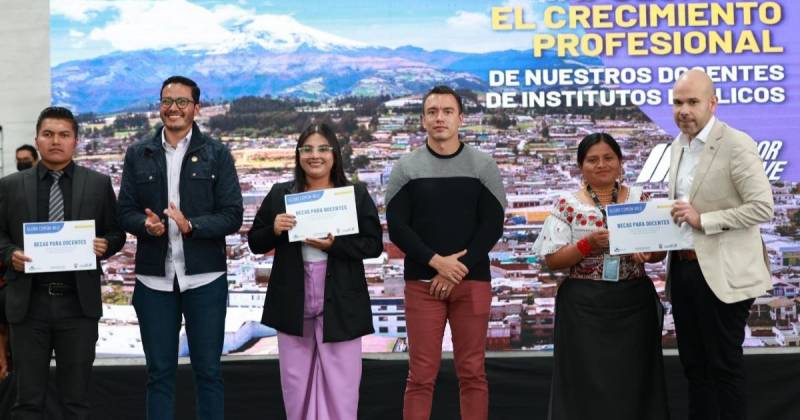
{"x": 441, "y": 288}
{"x": 153, "y": 225}
{"x": 100, "y": 246}
{"x": 321, "y": 244}
{"x": 684, "y": 212}
{"x": 174, "y": 213}
{"x": 449, "y": 267}
{"x": 641, "y": 257}
{"x": 18, "y": 259}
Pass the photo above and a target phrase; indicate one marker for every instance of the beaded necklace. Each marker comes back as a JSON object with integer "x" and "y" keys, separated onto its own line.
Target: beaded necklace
{"x": 596, "y": 199}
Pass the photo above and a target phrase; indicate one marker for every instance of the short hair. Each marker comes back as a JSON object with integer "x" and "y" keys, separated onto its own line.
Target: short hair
{"x": 443, "y": 90}
{"x": 595, "y": 138}
{"x": 29, "y": 148}
{"x": 57, "y": 113}
{"x": 182, "y": 80}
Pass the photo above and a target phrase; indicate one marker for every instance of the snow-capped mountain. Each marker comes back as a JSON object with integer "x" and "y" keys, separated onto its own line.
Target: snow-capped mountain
{"x": 278, "y": 56}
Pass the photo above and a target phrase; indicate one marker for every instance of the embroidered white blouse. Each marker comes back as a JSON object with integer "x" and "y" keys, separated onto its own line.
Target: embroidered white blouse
{"x": 569, "y": 221}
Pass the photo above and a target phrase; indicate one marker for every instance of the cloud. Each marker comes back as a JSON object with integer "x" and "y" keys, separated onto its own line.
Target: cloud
{"x": 468, "y": 20}
{"x": 527, "y": 8}
{"x": 183, "y": 25}
{"x": 229, "y": 12}
{"x": 79, "y": 10}
{"x": 143, "y": 24}
{"x": 76, "y": 34}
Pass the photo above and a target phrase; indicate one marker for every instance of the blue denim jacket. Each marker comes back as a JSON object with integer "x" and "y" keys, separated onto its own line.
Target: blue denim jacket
{"x": 210, "y": 198}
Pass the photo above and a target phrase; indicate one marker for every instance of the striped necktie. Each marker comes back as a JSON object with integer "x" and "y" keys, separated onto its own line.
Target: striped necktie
{"x": 56, "y": 213}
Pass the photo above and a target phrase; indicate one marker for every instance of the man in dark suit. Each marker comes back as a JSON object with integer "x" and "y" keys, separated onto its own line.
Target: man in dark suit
{"x": 58, "y": 310}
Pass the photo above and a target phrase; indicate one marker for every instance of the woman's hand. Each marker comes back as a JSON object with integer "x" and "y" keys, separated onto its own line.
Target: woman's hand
{"x": 598, "y": 239}
{"x": 321, "y": 244}
{"x": 283, "y": 222}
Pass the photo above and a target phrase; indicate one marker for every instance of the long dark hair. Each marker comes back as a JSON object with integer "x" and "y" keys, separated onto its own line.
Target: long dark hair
{"x": 337, "y": 171}
{"x": 594, "y": 138}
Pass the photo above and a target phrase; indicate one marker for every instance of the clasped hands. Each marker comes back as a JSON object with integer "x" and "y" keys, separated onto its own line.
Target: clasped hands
{"x": 155, "y": 227}
{"x": 449, "y": 274}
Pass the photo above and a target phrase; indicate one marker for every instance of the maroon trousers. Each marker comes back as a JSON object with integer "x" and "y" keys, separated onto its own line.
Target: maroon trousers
{"x": 467, "y": 309}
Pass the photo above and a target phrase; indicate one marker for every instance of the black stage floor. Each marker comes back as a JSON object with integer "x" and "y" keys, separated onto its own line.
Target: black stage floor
{"x": 519, "y": 389}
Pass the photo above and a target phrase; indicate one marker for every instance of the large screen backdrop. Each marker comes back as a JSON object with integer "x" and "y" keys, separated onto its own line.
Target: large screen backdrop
{"x": 537, "y": 76}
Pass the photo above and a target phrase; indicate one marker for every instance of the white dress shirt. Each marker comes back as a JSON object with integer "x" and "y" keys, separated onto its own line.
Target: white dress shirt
{"x": 175, "y": 263}
{"x": 687, "y": 167}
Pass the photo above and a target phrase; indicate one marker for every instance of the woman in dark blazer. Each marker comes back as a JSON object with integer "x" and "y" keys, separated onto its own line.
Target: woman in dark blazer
{"x": 317, "y": 297}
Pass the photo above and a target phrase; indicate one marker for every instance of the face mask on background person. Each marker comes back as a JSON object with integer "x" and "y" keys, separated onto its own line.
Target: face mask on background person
{"x": 24, "y": 164}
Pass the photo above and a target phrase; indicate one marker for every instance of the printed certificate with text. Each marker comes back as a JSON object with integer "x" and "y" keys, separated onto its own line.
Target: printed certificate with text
{"x": 643, "y": 227}
{"x": 59, "y": 246}
{"x": 321, "y": 212}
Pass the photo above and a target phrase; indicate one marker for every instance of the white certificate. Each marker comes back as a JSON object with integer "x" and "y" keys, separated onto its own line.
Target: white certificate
{"x": 643, "y": 227}
{"x": 321, "y": 212}
{"x": 59, "y": 246}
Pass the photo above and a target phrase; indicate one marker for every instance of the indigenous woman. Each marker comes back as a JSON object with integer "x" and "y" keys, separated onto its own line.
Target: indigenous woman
{"x": 608, "y": 360}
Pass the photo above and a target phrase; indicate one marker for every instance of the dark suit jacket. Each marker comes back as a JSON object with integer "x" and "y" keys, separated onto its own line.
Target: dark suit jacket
{"x": 211, "y": 199}
{"x": 92, "y": 198}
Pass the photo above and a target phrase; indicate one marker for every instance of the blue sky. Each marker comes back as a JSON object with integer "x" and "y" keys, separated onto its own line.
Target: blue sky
{"x": 87, "y": 28}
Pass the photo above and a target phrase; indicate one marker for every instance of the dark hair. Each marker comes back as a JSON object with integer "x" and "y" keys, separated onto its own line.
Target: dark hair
{"x": 57, "y": 113}
{"x": 595, "y": 138}
{"x": 443, "y": 90}
{"x": 181, "y": 80}
{"x": 337, "y": 171}
{"x": 29, "y": 148}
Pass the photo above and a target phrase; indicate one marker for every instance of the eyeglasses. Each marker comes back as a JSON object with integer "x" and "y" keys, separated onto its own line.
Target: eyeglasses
{"x": 181, "y": 102}
{"x": 307, "y": 150}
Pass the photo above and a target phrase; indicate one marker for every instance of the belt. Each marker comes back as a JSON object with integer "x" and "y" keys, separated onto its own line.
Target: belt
{"x": 56, "y": 288}
{"x": 685, "y": 255}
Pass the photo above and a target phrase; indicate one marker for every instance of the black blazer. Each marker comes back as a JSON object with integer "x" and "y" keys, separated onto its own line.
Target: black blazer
{"x": 210, "y": 198}
{"x": 346, "y": 311}
{"x": 92, "y": 198}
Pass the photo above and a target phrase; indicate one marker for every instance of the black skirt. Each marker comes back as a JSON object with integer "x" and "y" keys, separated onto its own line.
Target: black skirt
{"x": 608, "y": 360}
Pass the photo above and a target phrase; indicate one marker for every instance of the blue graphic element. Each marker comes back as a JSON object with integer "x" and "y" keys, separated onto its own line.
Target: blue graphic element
{"x": 633, "y": 208}
{"x": 47, "y": 227}
{"x": 304, "y": 197}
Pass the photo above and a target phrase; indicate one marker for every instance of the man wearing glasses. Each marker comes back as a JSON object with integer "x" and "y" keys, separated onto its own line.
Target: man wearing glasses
{"x": 180, "y": 197}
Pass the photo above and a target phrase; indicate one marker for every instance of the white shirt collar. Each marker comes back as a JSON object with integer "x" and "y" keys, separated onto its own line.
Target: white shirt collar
{"x": 180, "y": 143}
{"x": 702, "y": 135}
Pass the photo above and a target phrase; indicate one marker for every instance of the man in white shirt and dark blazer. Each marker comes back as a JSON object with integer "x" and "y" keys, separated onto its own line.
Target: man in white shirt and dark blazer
{"x": 180, "y": 196}
{"x": 722, "y": 196}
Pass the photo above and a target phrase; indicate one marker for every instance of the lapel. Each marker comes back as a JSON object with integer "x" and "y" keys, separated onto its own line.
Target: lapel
{"x": 676, "y": 153}
{"x": 196, "y": 142}
{"x": 155, "y": 151}
{"x": 78, "y": 189}
{"x": 292, "y": 188}
{"x": 30, "y": 187}
{"x": 707, "y": 157}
